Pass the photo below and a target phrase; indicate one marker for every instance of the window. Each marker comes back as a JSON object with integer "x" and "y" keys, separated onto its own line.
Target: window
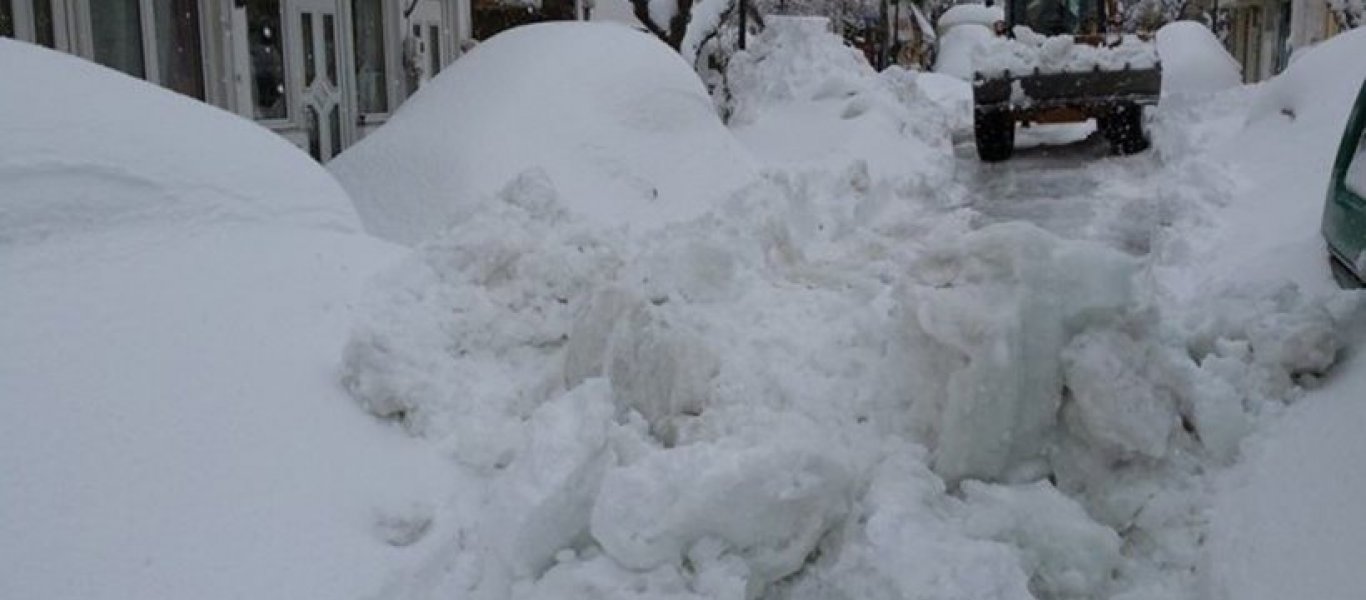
{"x": 179, "y": 55}
{"x": 267, "y": 59}
{"x": 1356, "y": 170}
{"x": 6, "y": 19}
{"x": 435, "y": 54}
{"x": 43, "y": 24}
{"x": 116, "y": 31}
{"x": 371, "y": 96}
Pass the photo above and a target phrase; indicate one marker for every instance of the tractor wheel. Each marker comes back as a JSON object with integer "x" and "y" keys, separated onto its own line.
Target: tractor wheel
{"x": 995, "y": 131}
{"x": 1123, "y": 126}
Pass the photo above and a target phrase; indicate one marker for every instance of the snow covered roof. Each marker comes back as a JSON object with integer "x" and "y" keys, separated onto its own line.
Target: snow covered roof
{"x": 617, "y": 122}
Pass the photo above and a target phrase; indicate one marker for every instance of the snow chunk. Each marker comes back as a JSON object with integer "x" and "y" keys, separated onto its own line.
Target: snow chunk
{"x": 991, "y": 319}
{"x": 1059, "y": 54}
{"x": 621, "y": 127}
{"x": 1065, "y": 552}
{"x": 1194, "y": 61}
{"x": 769, "y": 505}
{"x": 542, "y": 505}
{"x": 1118, "y": 401}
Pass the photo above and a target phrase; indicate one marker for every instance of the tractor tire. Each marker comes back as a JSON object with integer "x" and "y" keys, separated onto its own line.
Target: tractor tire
{"x": 995, "y": 132}
{"x": 1123, "y": 126}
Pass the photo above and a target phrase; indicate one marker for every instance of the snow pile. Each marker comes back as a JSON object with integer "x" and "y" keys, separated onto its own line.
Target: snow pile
{"x": 963, "y": 31}
{"x": 1194, "y": 61}
{"x": 644, "y": 147}
{"x": 958, "y": 46}
{"x": 176, "y": 287}
{"x": 1280, "y": 154}
{"x": 802, "y": 99}
{"x": 1028, "y": 51}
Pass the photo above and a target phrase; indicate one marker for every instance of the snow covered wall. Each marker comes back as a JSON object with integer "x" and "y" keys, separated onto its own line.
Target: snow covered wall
{"x": 642, "y": 147}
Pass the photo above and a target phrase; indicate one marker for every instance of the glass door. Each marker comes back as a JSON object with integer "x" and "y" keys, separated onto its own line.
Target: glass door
{"x": 316, "y": 25}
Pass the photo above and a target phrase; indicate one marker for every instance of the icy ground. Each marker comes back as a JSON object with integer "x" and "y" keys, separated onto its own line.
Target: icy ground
{"x": 859, "y": 364}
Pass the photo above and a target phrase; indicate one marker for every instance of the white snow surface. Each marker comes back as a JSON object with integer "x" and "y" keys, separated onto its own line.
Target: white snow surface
{"x": 176, "y": 286}
{"x": 957, "y": 47}
{"x": 1194, "y": 61}
{"x": 846, "y": 374}
{"x": 642, "y": 147}
{"x": 1028, "y": 51}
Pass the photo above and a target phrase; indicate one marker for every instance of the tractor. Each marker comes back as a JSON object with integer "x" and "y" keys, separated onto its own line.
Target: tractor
{"x": 1113, "y": 93}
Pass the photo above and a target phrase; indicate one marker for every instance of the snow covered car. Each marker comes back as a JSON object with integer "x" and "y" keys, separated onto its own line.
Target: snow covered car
{"x": 1344, "y": 213}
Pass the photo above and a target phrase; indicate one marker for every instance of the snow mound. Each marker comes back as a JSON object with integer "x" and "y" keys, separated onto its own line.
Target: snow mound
{"x": 176, "y": 286}
{"x": 800, "y": 98}
{"x": 616, "y": 121}
{"x": 958, "y": 46}
{"x": 1028, "y": 51}
{"x": 1194, "y": 61}
{"x": 67, "y": 171}
{"x": 1317, "y": 90}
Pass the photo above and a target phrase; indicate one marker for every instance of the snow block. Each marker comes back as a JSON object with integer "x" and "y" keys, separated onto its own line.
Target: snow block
{"x": 1065, "y": 552}
{"x": 990, "y": 323}
{"x": 768, "y": 505}
{"x": 544, "y": 501}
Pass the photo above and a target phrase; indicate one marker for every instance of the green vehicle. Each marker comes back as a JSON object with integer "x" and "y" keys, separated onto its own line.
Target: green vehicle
{"x": 1344, "y": 213}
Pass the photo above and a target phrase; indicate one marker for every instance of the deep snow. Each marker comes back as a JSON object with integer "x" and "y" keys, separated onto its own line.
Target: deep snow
{"x": 170, "y": 422}
{"x": 615, "y": 120}
{"x": 845, "y": 368}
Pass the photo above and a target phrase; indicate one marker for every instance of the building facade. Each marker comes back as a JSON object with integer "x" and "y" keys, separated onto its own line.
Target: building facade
{"x": 1266, "y": 33}
{"x": 321, "y": 73}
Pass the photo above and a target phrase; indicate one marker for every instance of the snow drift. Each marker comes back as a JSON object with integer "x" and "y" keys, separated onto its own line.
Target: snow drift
{"x": 642, "y": 147}
{"x": 175, "y": 291}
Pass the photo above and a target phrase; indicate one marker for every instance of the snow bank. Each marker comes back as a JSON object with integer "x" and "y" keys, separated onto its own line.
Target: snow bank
{"x": 1288, "y": 521}
{"x": 644, "y": 147}
{"x": 1280, "y": 157}
{"x": 176, "y": 285}
{"x": 1194, "y": 61}
{"x": 801, "y": 98}
{"x": 66, "y": 171}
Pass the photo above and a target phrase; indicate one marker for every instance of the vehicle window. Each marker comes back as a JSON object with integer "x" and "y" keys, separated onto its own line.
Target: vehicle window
{"x": 1053, "y": 17}
{"x": 1356, "y": 170}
